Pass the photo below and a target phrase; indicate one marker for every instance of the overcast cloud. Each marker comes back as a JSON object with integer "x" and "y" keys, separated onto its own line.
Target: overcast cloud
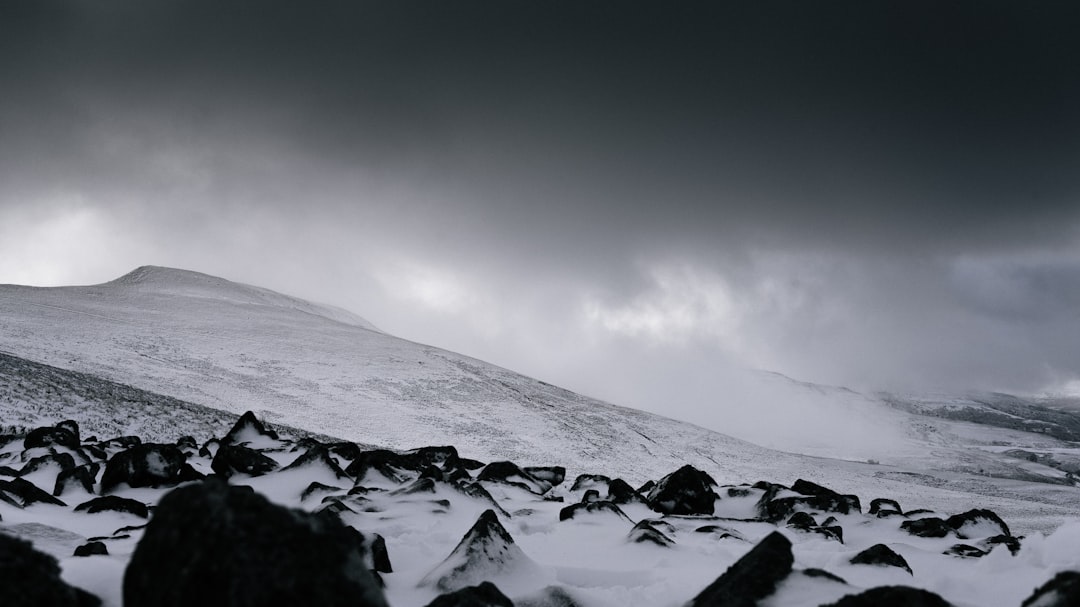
{"x": 622, "y": 198}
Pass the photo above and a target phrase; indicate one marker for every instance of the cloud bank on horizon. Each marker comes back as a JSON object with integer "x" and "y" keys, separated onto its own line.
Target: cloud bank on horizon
{"x": 623, "y": 199}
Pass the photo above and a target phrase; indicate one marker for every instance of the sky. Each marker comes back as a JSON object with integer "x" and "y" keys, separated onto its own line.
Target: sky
{"x": 627, "y": 199}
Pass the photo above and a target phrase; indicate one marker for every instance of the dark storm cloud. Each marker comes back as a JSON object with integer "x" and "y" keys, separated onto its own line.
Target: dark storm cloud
{"x": 854, "y": 191}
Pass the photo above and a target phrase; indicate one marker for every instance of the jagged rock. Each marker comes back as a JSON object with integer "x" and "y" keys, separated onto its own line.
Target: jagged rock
{"x": 248, "y": 429}
{"x": 477, "y": 491}
{"x": 927, "y": 527}
{"x": 815, "y": 497}
{"x": 752, "y": 578}
{"x": 964, "y": 550}
{"x": 318, "y": 455}
{"x": 317, "y": 487}
{"x": 113, "y": 503}
{"x": 60, "y": 461}
{"x": 144, "y": 465}
{"x": 620, "y": 492}
{"x": 81, "y": 476}
{"x": 892, "y": 596}
{"x": 71, "y": 426}
{"x": 210, "y": 543}
{"x": 236, "y": 459}
{"x": 880, "y": 554}
{"x": 1010, "y": 542}
{"x": 590, "y": 481}
{"x": 801, "y": 520}
{"x": 508, "y": 472}
{"x": 591, "y": 508}
{"x": 978, "y": 523}
{"x": 187, "y": 443}
{"x": 592, "y": 495}
{"x": 552, "y": 475}
{"x": 484, "y": 594}
{"x": 880, "y": 506}
{"x": 395, "y": 467}
{"x": 821, "y": 573}
{"x": 21, "y": 493}
{"x": 50, "y": 436}
{"x": 1063, "y": 590}
{"x": 685, "y": 491}
{"x": 484, "y": 553}
{"x": 345, "y": 450}
{"x": 644, "y": 531}
{"x": 443, "y": 459}
{"x": 91, "y": 549}
{"x": 31, "y": 577}
{"x": 646, "y": 488}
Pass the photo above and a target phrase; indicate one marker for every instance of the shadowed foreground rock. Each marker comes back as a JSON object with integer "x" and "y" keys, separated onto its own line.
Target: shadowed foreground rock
{"x": 752, "y": 578}
{"x": 1061, "y": 591}
{"x": 215, "y": 544}
{"x": 892, "y": 596}
{"x": 484, "y": 594}
{"x": 29, "y": 577}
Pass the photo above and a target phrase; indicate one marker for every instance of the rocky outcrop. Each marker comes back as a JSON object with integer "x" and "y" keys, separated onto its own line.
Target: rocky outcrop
{"x": 685, "y": 491}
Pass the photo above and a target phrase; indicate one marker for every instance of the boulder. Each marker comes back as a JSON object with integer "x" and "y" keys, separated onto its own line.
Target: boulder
{"x": 892, "y": 596}
{"x": 236, "y": 459}
{"x": 591, "y": 508}
{"x": 685, "y": 491}
{"x": 590, "y": 481}
{"x": 964, "y": 550}
{"x": 752, "y": 578}
{"x": 509, "y": 472}
{"x": 91, "y": 549}
{"x": 927, "y": 527}
{"x": 113, "y": 503}
{"x": 318, "y": 456}
{"x": 31, "y": 577}
{"x": 248, "y": 430}
{"x": 620, "y": 492}
{"x": 881, "y": 507}
{"x": 485, "y": 552}
{"x": 880, "y": 554}
{"x": 552, "y": 475}
{"x": 1063, "y": 590}
{"x": 21, "y": 493}
{"x": 978, "y": 523}
{"x": 51, "y": 436}
{"x": 1010, "y": 542}
{"x": 80, "y": 476}
{"x": 214, "y": 544}
{"x": 484, "y": 594}
{"x": 646, "y": 532}
{"x": 144, "y": 465}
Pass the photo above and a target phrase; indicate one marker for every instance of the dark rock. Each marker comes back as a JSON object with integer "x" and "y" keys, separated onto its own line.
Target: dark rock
{"x": 592, "y": 495}
{"x": 738, "y": 492}
{"x": 81, "y": 476}
{"x": 551, "y": 596}
{"x": 620, "y": 492}
{"x": 395, "y": 467}
{"x": 821, "y": 573}
{"x": 345, "y": 450}
{"x": 486, "y": 549}
{"x": 778, "y": 509}
{"x": 646, "y": 488}
{"x": 61, "y": 461}
{"x": 485, "y": 594}
{"x": 477, "y": 491}
{"x": 120, "y": 443}
{"x": 21, "y": 493}
{"x": 880, "y": 554}
{"x": 591, "y": 508}
{"x": 33, "y": 578}
{"x": 210, "y": 448}
{"x": 187, "y": 473}
{"x": 685, "y": 491}
{"x": 187, "y": 443}
{"x": 472, "y": 464}
{"x": 236, "y": 459}
{"x": 927, "y": 527}
{"x": 801, "y": 520}
{"x": 964, "y": 550}
{"x": 879, "y": 505}
{"x": 423, "y": 485}
{"x": 552, "y": 475}
{"x": 918, "y": 511}
{"x": 590, "y": 481}
{"x": 1012, "y": 543}
{"x": 318, "y": 455}
{"x": 830, "y": 521}
{"x": 71, "y": 426}
{"x": 247, "y": 429}
{"x": 752, "y": 578}
{"x": 1063, "y": 590}
{"x": 644, "y": 532}
{"x": 318, "y": 487}
{"x": 376, "y": 548}
{"x": 91, "y": 549}
{"x": 832, "y": 532}
{"x": 892, "y": 596}
{"x": 214, "y": 544}
{"x": 50, "y": 436}
{"x": 806, "y": 487}
{"x": 965, "y": 524}
{"x": 508, "y": 472}
{"x": 8, "y": 471}
{"x": 113, "y": 503}
{"x": 149, "y": 465}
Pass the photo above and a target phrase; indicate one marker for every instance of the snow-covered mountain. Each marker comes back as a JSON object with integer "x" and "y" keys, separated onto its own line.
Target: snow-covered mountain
{"x": 233, "y": 347}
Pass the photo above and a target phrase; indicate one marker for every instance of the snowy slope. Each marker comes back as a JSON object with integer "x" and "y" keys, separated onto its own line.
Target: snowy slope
{"x": 219, "y": 344}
